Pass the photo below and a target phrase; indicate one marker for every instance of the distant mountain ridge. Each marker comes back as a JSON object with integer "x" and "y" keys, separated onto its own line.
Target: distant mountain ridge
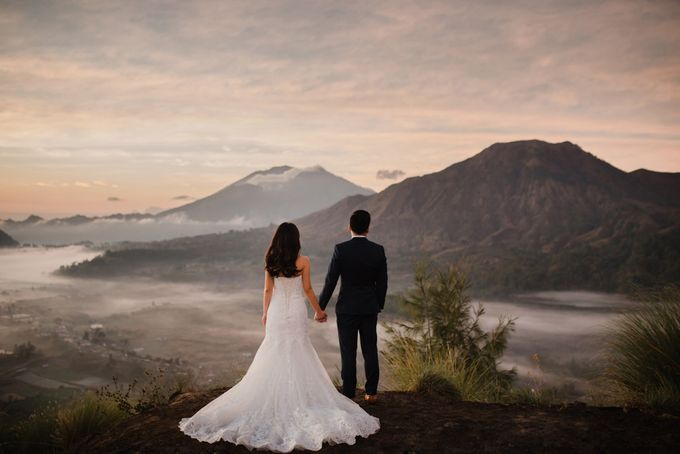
{"x": 31, "y": 219}
{"x": 7, "y": 241}
{"x": 517, "y": 216}
{"x": 77, "y": 219}
{"x": 273, "y": 195}
{"x": 663, "y": 187}
{"x": 260, "y": 198}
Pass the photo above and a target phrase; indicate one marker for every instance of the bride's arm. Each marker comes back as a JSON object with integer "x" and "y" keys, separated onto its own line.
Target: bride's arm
{"x": 307, "y": 286}
{"x": 267, "y": 296}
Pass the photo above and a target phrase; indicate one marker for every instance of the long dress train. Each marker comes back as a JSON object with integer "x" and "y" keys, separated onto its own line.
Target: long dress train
{"x": 286, "y": 400}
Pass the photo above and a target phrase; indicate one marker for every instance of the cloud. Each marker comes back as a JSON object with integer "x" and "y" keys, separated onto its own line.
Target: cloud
{"x": 389, "y": 174}
{"x": 273, "y": 180}
{"x": 80, "y": 184}
{"x": 216, "y": 164}
{"x": 351, "y": 85}
{"x": 113, "y": 199}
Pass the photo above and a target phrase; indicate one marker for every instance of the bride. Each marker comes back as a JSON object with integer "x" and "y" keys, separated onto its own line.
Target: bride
{"x": 286, "y": 400}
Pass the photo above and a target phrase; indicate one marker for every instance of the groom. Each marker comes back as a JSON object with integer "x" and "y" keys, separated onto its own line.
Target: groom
{"x": 363, "y": 267}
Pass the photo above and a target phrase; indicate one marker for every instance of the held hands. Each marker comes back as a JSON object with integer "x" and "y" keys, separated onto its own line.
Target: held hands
{"x": 321, "y": 317}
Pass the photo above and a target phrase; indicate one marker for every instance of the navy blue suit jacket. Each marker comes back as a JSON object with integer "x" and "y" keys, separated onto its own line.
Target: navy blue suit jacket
{"x": 362, "y": 267}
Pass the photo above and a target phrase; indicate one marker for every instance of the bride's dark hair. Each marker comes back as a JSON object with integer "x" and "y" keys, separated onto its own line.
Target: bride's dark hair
{"x": 283, "y": 251}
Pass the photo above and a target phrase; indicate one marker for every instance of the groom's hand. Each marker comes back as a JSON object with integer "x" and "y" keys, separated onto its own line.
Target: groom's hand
{"x": 321, "y": 317}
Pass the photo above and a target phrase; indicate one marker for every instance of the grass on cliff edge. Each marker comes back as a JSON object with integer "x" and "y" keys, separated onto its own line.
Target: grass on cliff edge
{"x": 643, "y": 351}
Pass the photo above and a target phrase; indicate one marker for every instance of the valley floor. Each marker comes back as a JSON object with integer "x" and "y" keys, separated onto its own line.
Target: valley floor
{"x": 415, "y": 423}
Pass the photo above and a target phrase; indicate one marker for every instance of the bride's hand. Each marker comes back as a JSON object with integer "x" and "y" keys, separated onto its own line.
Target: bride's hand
{"x": 264, "y": 319}
{"x": 320, "y": 316}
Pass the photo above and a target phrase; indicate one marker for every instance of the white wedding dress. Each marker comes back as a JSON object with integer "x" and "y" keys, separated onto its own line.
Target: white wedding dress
{"x": 286, "y": 400}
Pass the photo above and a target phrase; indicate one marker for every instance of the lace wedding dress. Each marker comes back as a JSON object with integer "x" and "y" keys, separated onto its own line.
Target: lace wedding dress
{"x": 286, "y": 400}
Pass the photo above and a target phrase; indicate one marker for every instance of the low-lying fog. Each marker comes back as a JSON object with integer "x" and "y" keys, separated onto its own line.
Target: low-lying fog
{"x": 112, "y": 230}
{"x": 216, "y": 332}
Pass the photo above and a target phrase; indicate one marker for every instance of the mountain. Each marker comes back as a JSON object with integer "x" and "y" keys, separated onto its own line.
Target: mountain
{"x": 662, "y": 187}
{"x": 77, "y": 219}
{"x": 528, "y": 192}
{"x": 32, "y": 219}
{"x": 523, "y": 215}
{"x": 7, "y": 241}
{"x": 270, "y": 196}
{"x": 551, "y": 210}
{"x": 259, "y": 199}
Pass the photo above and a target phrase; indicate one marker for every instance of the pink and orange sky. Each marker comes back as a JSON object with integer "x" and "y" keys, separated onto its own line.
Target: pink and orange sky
{"x": 110, "y": 107}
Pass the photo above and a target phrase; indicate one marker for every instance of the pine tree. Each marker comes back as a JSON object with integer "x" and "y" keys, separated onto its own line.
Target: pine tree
{"x": 445, "y": 324}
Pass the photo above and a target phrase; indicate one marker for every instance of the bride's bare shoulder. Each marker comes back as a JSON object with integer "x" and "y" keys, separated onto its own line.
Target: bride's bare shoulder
{"x": 303, "y": 260}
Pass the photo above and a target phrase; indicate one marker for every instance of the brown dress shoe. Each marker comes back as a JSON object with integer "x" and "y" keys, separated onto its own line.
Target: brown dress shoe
{"x": 371, "y": 397}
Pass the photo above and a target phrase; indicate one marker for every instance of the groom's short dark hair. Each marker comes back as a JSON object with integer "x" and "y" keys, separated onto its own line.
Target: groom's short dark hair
{"x": 359, "y": 221}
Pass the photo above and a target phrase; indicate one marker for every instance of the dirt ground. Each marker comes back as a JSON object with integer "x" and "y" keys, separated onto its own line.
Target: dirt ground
{"x": 416, "y": 423}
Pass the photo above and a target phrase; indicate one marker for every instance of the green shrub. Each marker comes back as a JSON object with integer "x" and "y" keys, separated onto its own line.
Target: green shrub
{"x": 59, "y": 427}
{"x": 431, "y": 382}
{"x": 86, "y": 416}
{"x": 443, "y": 348}
{"x": 643, "y": 352}
{"x": 156, "y": 390}
{"x": 56, "y": 428}
{"x": 411, "y": 371}
{"x": 36, "y": 434}
{"x": 443, "y": 372}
